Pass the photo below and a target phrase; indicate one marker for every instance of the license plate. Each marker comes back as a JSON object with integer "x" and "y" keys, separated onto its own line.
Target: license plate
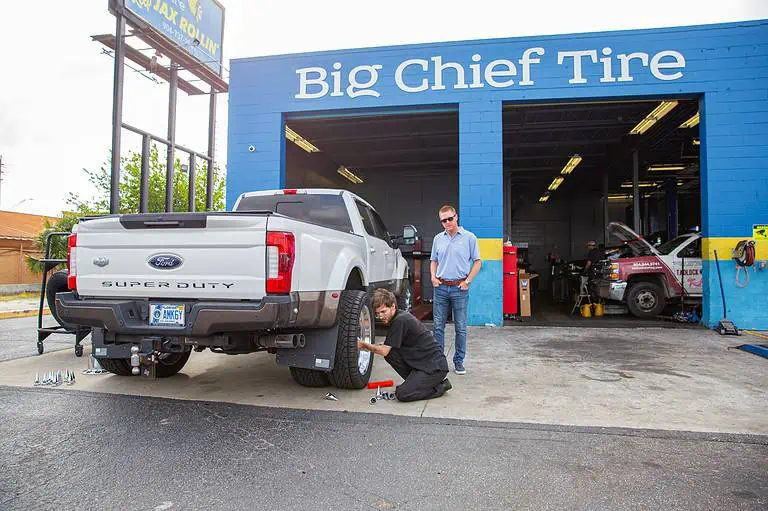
{"x": 163, "y": 314}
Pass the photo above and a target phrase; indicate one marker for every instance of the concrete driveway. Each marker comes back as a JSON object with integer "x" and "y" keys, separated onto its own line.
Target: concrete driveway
{"x": 643, "y": 378}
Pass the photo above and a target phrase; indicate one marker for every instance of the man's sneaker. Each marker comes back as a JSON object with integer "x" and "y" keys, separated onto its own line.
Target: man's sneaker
{"x": 460, "y": 368}
{"x": 447, "y": 385}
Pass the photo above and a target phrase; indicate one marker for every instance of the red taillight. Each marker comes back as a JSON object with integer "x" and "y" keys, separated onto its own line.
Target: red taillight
{"x": 291, "y": 191}
{"x": 281, "y": 253}
{"x": 72, "y": 262}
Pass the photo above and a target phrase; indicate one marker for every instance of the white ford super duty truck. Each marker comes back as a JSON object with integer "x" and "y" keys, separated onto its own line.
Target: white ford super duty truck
{"x": 289, "y": 272}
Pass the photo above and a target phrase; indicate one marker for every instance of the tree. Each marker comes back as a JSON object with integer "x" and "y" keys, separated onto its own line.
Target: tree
{"x": 130, "y": 182}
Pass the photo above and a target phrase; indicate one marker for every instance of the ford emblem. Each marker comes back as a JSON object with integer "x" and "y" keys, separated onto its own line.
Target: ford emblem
{"x": 165, "y": 261}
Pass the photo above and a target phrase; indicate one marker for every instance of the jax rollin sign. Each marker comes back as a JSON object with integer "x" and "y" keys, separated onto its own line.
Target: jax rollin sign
{"x": 197, "y": 26}
{"x": 420, "y": 74}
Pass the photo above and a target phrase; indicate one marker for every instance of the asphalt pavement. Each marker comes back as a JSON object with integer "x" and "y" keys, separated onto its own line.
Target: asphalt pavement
{"x": 18, "y": 338}
{"x": 81, "y": 450}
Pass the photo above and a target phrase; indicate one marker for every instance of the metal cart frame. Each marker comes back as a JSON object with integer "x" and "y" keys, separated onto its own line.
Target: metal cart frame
{"x": 80, "y": 332}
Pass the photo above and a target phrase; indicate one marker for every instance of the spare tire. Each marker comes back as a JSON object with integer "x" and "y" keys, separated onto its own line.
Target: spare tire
{"x": 57, "y": 283}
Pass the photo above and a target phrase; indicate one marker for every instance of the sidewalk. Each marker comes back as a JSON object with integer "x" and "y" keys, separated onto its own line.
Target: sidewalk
{"x": 21, "y": 307}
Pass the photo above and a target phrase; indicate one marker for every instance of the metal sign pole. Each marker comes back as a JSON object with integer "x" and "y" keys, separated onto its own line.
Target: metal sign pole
{"x": 174, "y": 84}
{"x": 146, "y": 147}
{"x": 211, "y": 149}
{"x": 636, "y": 192}
{"x": 117, "y": 112}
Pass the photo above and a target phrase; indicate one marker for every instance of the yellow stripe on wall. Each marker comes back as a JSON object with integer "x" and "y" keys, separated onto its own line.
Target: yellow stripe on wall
{"x": 491, "y": 249}
{"x": 724, "y": 246}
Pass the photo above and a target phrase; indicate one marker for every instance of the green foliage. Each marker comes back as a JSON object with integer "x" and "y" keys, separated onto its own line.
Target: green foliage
{"x": 130, "y": 182}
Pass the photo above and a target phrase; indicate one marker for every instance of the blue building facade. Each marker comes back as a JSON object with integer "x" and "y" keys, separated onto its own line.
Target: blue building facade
{"x": 724, "y": 66}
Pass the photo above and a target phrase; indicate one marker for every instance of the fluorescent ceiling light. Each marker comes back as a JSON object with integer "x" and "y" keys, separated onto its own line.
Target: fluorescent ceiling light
{"x": 652, "y": 118}
{"x": 575, "y": 160}
{"x": 690, "y": 123}
{"x": 344, "y": 171}
{"x": 555, "y": 183}
{"x": 619, "y": 197}
{"x": 641, "y": 184}
{"x": 300, "y": 141}
{"x": 666, "y": 167}
{"x": 696, "y": 141}
{"x": 544, "y": 198}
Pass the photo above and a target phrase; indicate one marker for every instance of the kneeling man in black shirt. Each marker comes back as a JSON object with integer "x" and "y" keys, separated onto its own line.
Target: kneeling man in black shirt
{"x": 411, "y": 351}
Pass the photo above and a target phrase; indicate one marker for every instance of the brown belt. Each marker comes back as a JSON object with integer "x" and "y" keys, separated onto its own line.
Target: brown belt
{"x": 451, "y": 282}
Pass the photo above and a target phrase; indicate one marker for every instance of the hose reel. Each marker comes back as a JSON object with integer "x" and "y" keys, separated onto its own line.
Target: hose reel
{"x": 744, "y": 255}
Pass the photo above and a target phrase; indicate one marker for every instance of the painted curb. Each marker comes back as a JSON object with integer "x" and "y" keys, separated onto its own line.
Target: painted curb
{"x": 24, "y": 313}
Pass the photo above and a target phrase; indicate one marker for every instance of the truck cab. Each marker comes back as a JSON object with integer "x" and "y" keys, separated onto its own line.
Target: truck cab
{"x": 645, "y": 277}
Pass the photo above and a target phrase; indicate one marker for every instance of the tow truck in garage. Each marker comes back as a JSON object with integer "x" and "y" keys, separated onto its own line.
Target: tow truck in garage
{"x": 647, "y": 278}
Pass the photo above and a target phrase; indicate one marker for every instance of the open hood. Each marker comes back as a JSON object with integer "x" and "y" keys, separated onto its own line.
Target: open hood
{"x": 634, "y": 241}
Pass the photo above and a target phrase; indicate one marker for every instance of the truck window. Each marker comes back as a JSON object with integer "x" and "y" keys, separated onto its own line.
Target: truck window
{"x": 365, "y": 218}
{"x": 326, "y": 210}
{"x": 693, "y": 250}
{"x": 381, "y": 229}
{"x": 668, "y": 247}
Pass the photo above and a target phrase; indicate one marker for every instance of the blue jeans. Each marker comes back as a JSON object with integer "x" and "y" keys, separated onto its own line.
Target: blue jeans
{"x": 444, "y": 299}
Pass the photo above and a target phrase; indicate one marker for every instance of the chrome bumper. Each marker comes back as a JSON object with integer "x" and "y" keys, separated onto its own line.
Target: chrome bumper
{"x": 612, "y": 290}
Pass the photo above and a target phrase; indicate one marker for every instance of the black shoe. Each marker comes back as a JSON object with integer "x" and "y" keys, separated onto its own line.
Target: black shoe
{"x": 447, "y": 385}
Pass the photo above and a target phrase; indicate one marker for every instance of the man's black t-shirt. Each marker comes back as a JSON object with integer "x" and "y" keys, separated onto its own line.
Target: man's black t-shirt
{"x": 595, "y": 256}
{"x": 415, "y": 343}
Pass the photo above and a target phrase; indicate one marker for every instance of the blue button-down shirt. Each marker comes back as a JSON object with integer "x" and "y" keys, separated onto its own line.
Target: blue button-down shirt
{"x": 454, "y": 256}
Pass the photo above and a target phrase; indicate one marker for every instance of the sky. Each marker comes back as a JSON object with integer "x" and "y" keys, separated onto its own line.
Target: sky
{"x": 56, "y": 84}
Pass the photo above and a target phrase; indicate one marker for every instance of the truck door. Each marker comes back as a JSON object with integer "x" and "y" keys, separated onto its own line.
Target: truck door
{"x": 687, "y": 267}
{"x": 389, "y": 251}
{"x": 377, "y": 262}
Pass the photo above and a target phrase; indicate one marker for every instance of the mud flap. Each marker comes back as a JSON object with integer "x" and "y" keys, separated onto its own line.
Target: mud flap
{"x": 318, "y": 353}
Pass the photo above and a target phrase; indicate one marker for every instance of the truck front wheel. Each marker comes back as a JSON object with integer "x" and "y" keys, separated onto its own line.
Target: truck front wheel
{"x": 645, "y": 300}
{"x": 405, "y": 300}
{"x": 352, "y": 367}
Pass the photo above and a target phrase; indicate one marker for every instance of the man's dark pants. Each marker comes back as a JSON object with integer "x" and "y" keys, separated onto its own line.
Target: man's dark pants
{"x": 418, "y": 385}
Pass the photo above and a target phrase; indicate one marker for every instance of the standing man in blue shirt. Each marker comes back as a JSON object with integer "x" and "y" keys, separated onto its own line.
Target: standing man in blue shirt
{"x": 455, "y": 263}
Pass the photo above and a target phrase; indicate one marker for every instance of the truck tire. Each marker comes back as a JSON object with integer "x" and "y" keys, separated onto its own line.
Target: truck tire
{"x": 405, "y": 299}
{"x": 167, "y": 365}
{"x": 118, "y": 366}
{"x": 57, "y": 283}
{"x": 352, "y": 368}
{"x": 645, "y": 300}
{"x": 309, "y": 377}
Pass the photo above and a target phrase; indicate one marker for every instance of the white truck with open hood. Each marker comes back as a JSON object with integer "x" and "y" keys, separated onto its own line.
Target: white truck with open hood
{"x": 647, "y": 278}
{"x": 287, "y": 271}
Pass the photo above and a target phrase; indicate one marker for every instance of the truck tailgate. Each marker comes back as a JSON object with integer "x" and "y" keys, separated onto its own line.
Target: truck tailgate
{"x": 183, "y": 256}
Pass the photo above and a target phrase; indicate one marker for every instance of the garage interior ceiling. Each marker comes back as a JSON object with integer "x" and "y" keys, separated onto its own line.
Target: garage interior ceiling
{"x": 538, "y": 141}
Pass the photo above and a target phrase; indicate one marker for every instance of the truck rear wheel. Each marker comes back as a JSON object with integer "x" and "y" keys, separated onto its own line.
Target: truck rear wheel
{"x": 118, "y": 366}
{"x": 168, "y": 364}
{"x": 309, "y": 377}
{"x": 352, "y": 367}
{"x": 645, "y": 300}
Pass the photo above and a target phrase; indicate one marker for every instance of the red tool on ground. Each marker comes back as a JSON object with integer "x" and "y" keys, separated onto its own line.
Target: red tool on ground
{"x": 383, "y": 383}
